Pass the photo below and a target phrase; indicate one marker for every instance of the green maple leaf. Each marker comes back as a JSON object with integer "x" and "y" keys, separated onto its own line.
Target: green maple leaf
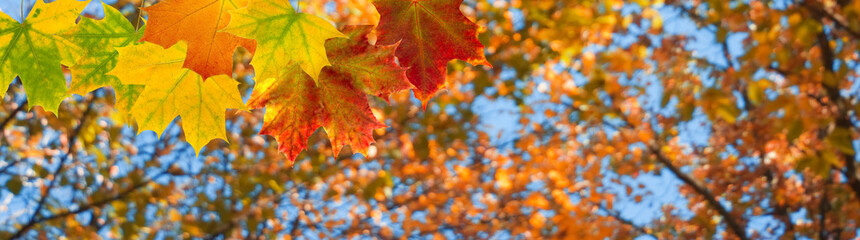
{"x": 34, "y": 51}
{"x": 283, "y": 37}
{"x": 98, "y": 40}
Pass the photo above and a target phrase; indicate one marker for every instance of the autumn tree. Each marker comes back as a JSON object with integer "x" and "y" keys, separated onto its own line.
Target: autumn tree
{"x": 526, "y": 119}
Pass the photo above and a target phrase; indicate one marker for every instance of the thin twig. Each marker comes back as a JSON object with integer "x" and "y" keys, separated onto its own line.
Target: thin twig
{"x": 103, "y": 202}
{"x": 11, "y": 116}
{"x": 119, "y": 196}
{"x": 823, "y": 207}
{"x": 822, "y": 12}
{"x": 295, "y": 223}
{"x": 56, "y": 174}
{"x": 617, "y": 216}
{"x": 843, "y": 120}
{"x": 3, "y": 124}
{"x": 733, "y": 223}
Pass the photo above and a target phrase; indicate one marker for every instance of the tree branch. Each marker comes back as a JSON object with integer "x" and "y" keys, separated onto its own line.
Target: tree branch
{"x": 100, "y": 203}
{"x": 119, "y": 196}
{"x": 12, "y": 114}
{"x": 617, "y": 216}
{"x": 823, "y": 207}
{"x": 56, "y": 174}
{"x": 221, "y": 232}
{"x": 733, "y": 223}
{"x": 295, "y": 223}
{"x": 843, "y": 120}
{"x": 822, "y": 12}
{"x": 106, "y": 201}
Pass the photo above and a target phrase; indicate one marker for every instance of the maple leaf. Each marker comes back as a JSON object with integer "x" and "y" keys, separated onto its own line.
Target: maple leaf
{"x": 283, "y": 36}
{"x": 296, "y": 106}
{"x": 197, "y": 22}
{"x": 98, "y": 40}
{"x": 431, "y": 33}
{"x": 172, "y": 91}
{"x": 33, "y": 51}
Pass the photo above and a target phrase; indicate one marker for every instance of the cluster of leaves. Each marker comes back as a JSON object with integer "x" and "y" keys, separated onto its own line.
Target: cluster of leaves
{"x": 309, "y": 74}
{"x": 662, "y": 119}
{"x": 751, "y": 106}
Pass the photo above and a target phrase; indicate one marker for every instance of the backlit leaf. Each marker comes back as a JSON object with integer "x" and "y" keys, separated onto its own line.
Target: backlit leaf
{"x": 172, "y": 91}
{"x": 296, "y": 106}
{"x": 431, "y": 33}
{"x": 34, "y": 52}
{"x": 283, "y": 36}
{"x": 197, "y": 23}
{"x": 98, "y": 40}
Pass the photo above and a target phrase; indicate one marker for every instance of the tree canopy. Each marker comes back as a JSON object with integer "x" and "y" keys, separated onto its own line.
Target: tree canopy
{"x": 573, "y": 119}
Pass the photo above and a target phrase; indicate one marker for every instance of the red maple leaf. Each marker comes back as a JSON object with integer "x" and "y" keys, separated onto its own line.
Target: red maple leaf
{"x": 431, "y": 33}
{"x": 296, "y": 106}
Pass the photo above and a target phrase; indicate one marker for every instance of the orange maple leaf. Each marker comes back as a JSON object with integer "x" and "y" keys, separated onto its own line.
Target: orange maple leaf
{"x": 197, "y": 22}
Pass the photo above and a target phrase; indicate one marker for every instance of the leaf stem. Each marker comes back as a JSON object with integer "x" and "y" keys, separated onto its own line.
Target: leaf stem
{"x": 139, "y": 16}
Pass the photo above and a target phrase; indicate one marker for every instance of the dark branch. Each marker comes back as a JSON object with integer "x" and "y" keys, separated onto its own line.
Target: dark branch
{"x": 97, "y": 204}
{"x": 823, "y": 207}
{"x": 733, "y": 223}
{"x": 617, "y": 216}
{"x": 843, "y": 120}
{"x": 11, "y": 116}
{"x": 121, "y": 195}
{"x": 821, "y": 12}
{"x": 56, "y": 174}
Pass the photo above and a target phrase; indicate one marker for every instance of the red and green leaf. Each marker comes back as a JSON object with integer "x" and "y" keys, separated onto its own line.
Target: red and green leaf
{"x": 296, "y": 106}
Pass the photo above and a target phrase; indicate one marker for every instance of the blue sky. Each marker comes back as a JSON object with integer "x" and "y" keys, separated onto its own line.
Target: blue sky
{"x": 499, "y": 118}
{"x": 13, "y": 7}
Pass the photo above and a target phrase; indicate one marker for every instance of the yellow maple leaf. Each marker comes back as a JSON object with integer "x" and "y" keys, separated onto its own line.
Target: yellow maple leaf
{"x": 172, "y": 91}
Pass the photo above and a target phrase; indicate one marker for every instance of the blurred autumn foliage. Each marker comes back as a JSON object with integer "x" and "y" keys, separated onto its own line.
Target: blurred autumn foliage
{"x": 599, "y": 120}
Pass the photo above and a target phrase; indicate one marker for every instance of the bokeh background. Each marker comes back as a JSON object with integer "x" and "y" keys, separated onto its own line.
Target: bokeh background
{"x": 607, "y": 119}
